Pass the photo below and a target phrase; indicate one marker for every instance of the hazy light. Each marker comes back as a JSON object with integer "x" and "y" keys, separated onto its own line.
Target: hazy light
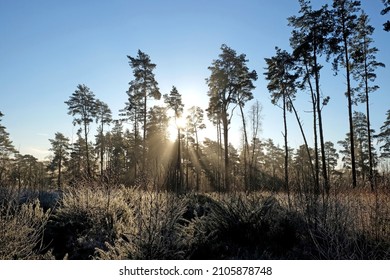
{"x": 180, "y": 122}
{"x": 173, "y": 126}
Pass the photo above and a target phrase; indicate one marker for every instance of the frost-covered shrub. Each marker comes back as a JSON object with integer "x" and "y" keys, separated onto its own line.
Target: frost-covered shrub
{"x": 155, "y": 231}
{"x": 85, "y": 219}
{"x": 351, "y": 227}
{"x": 21, "y": 230}
{"x": 244, "y": 226}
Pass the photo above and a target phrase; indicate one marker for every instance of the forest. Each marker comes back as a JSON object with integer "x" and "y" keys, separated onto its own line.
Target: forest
{"x": 147, "y": 186}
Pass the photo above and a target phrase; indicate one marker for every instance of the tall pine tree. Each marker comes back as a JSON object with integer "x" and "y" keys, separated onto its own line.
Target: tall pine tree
{"x": 345, "y": 22}
{"x": 230, "y": 83}
{"x": 143, "y": 87}
{"x": 82, "y": 106}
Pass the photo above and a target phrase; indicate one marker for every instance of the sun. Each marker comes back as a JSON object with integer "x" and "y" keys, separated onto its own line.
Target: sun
{"x": 173, "y": 125}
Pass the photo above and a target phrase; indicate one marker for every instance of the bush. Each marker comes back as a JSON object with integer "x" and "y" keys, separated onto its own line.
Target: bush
{"x": 86, "y": 219}
{"x": 21, "y": 230}
{"x": 244, "y": 227}
{"x": 347, "y": 229}
{"x": 155, "y": 231}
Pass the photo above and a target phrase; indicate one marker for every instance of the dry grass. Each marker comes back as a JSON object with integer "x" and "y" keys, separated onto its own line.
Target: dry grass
{"x": 21, "y": 230}
{"x": 107, "y": 222}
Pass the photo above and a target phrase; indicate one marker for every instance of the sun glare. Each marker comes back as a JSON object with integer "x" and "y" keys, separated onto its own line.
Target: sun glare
{"x": 173, "y": 125}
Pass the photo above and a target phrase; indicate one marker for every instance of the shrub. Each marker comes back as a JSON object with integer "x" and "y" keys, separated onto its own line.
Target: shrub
{"x": 155, "y": 230}
{"x": 86, "y": 219}
{"x": 244, "y": 227}
{"x": 21, "y": 230}
{"x": 350, "y": 226}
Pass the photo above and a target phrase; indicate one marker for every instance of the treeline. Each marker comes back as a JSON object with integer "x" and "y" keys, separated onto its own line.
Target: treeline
{"x": 143, "y": 155}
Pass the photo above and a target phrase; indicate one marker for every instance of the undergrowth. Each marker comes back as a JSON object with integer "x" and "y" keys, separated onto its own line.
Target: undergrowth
{"x": 21, "y": 230}
{"x": 106, "y": 222}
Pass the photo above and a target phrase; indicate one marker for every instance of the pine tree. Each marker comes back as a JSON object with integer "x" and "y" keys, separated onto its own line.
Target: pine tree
{"x": 384, "y": 137}
{"x": 159, "y": 146}
{"x": 6, "y": 149}
{"x": 104, "y": 117}
{"x": 174, "y": 102}
{"x": 143, "y": 86}
{"x": 345, "y": 21}
{"x": 331, "y": 157}
{"x": 386, "y": 9}
{"x": 60, "y": 147}
{"x": 82, "y": 103}
{"x": 230, "y": 83}
{"x": 310, "y": 39}
{"x": 194, "y": 125}
{"x": 6, "y": 146}
{"x": 282, "y": 85}
{"x": 361, "y": 146}
{"x": 363, "y": 69}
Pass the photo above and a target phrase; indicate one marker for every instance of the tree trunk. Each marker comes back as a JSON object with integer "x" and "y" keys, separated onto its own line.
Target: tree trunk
{"x": 246, "y": 149}
{"x": 316, "y": 160}
{"x": 101, "y": 152}
{"x": 59, "y": 171}
{"x": 198, "y": 160}
{"x": 286, "y": 183}
{"x": 349, "y": 96}
{"x": 178, "y": 165}
{"x": 135, "y": 144}
{"x": 144, "y": 135}
{"x": 318, "y": 99}
{"x": 226, "y": 146}
{"x": 87, "y": 150}
{"x": 219, "y": 160}
{"x": 371, "y": 164}
{"x": 304, "y": 137}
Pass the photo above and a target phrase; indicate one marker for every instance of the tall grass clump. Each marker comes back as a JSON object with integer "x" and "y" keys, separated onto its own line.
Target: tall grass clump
{"x": 86, "y": 218}
{"x": 351, "y": 224}
{"x": 21, "y": 230}
{"x": 244, "y": 226}
{"x": 155, "y": 231}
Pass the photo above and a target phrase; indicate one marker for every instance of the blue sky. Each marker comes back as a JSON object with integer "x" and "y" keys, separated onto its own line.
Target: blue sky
{"x": 48, "y": 47}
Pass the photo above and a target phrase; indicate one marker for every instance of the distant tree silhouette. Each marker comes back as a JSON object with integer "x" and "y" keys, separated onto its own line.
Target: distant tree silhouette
{"x": 366, "y": 156}
{"x": 274, "y": 163}
{"x": 214, "y": 116}
{"x": 210, "y": 162}
{"x": 104, "y": 117}
{"x": 60, "y": 147}
{"x": 77, "y": 166}
{"x": 116, "y": 151}
{"x": 361, "y": 146}
{"x": 230, "y": 84}
{"x": 194, "y": 125}
{"x": 133, "y": 113}
{"x": 82, "y": 106}
{"x": 30, "y": 172}
{"x": 6, "y": 146}
{"x": 6, "y": 150}
{"x": 302, "y": 164}
{"x": 174, "y": 102}
{"x": 331, "y": 157}
{"x": 159, "y": 147}
{"x": 255, "y": 148}
{"x": 384, "y": 137}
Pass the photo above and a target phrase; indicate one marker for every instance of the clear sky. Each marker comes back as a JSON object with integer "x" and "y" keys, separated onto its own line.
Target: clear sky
{"x": 48, "y": 47}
